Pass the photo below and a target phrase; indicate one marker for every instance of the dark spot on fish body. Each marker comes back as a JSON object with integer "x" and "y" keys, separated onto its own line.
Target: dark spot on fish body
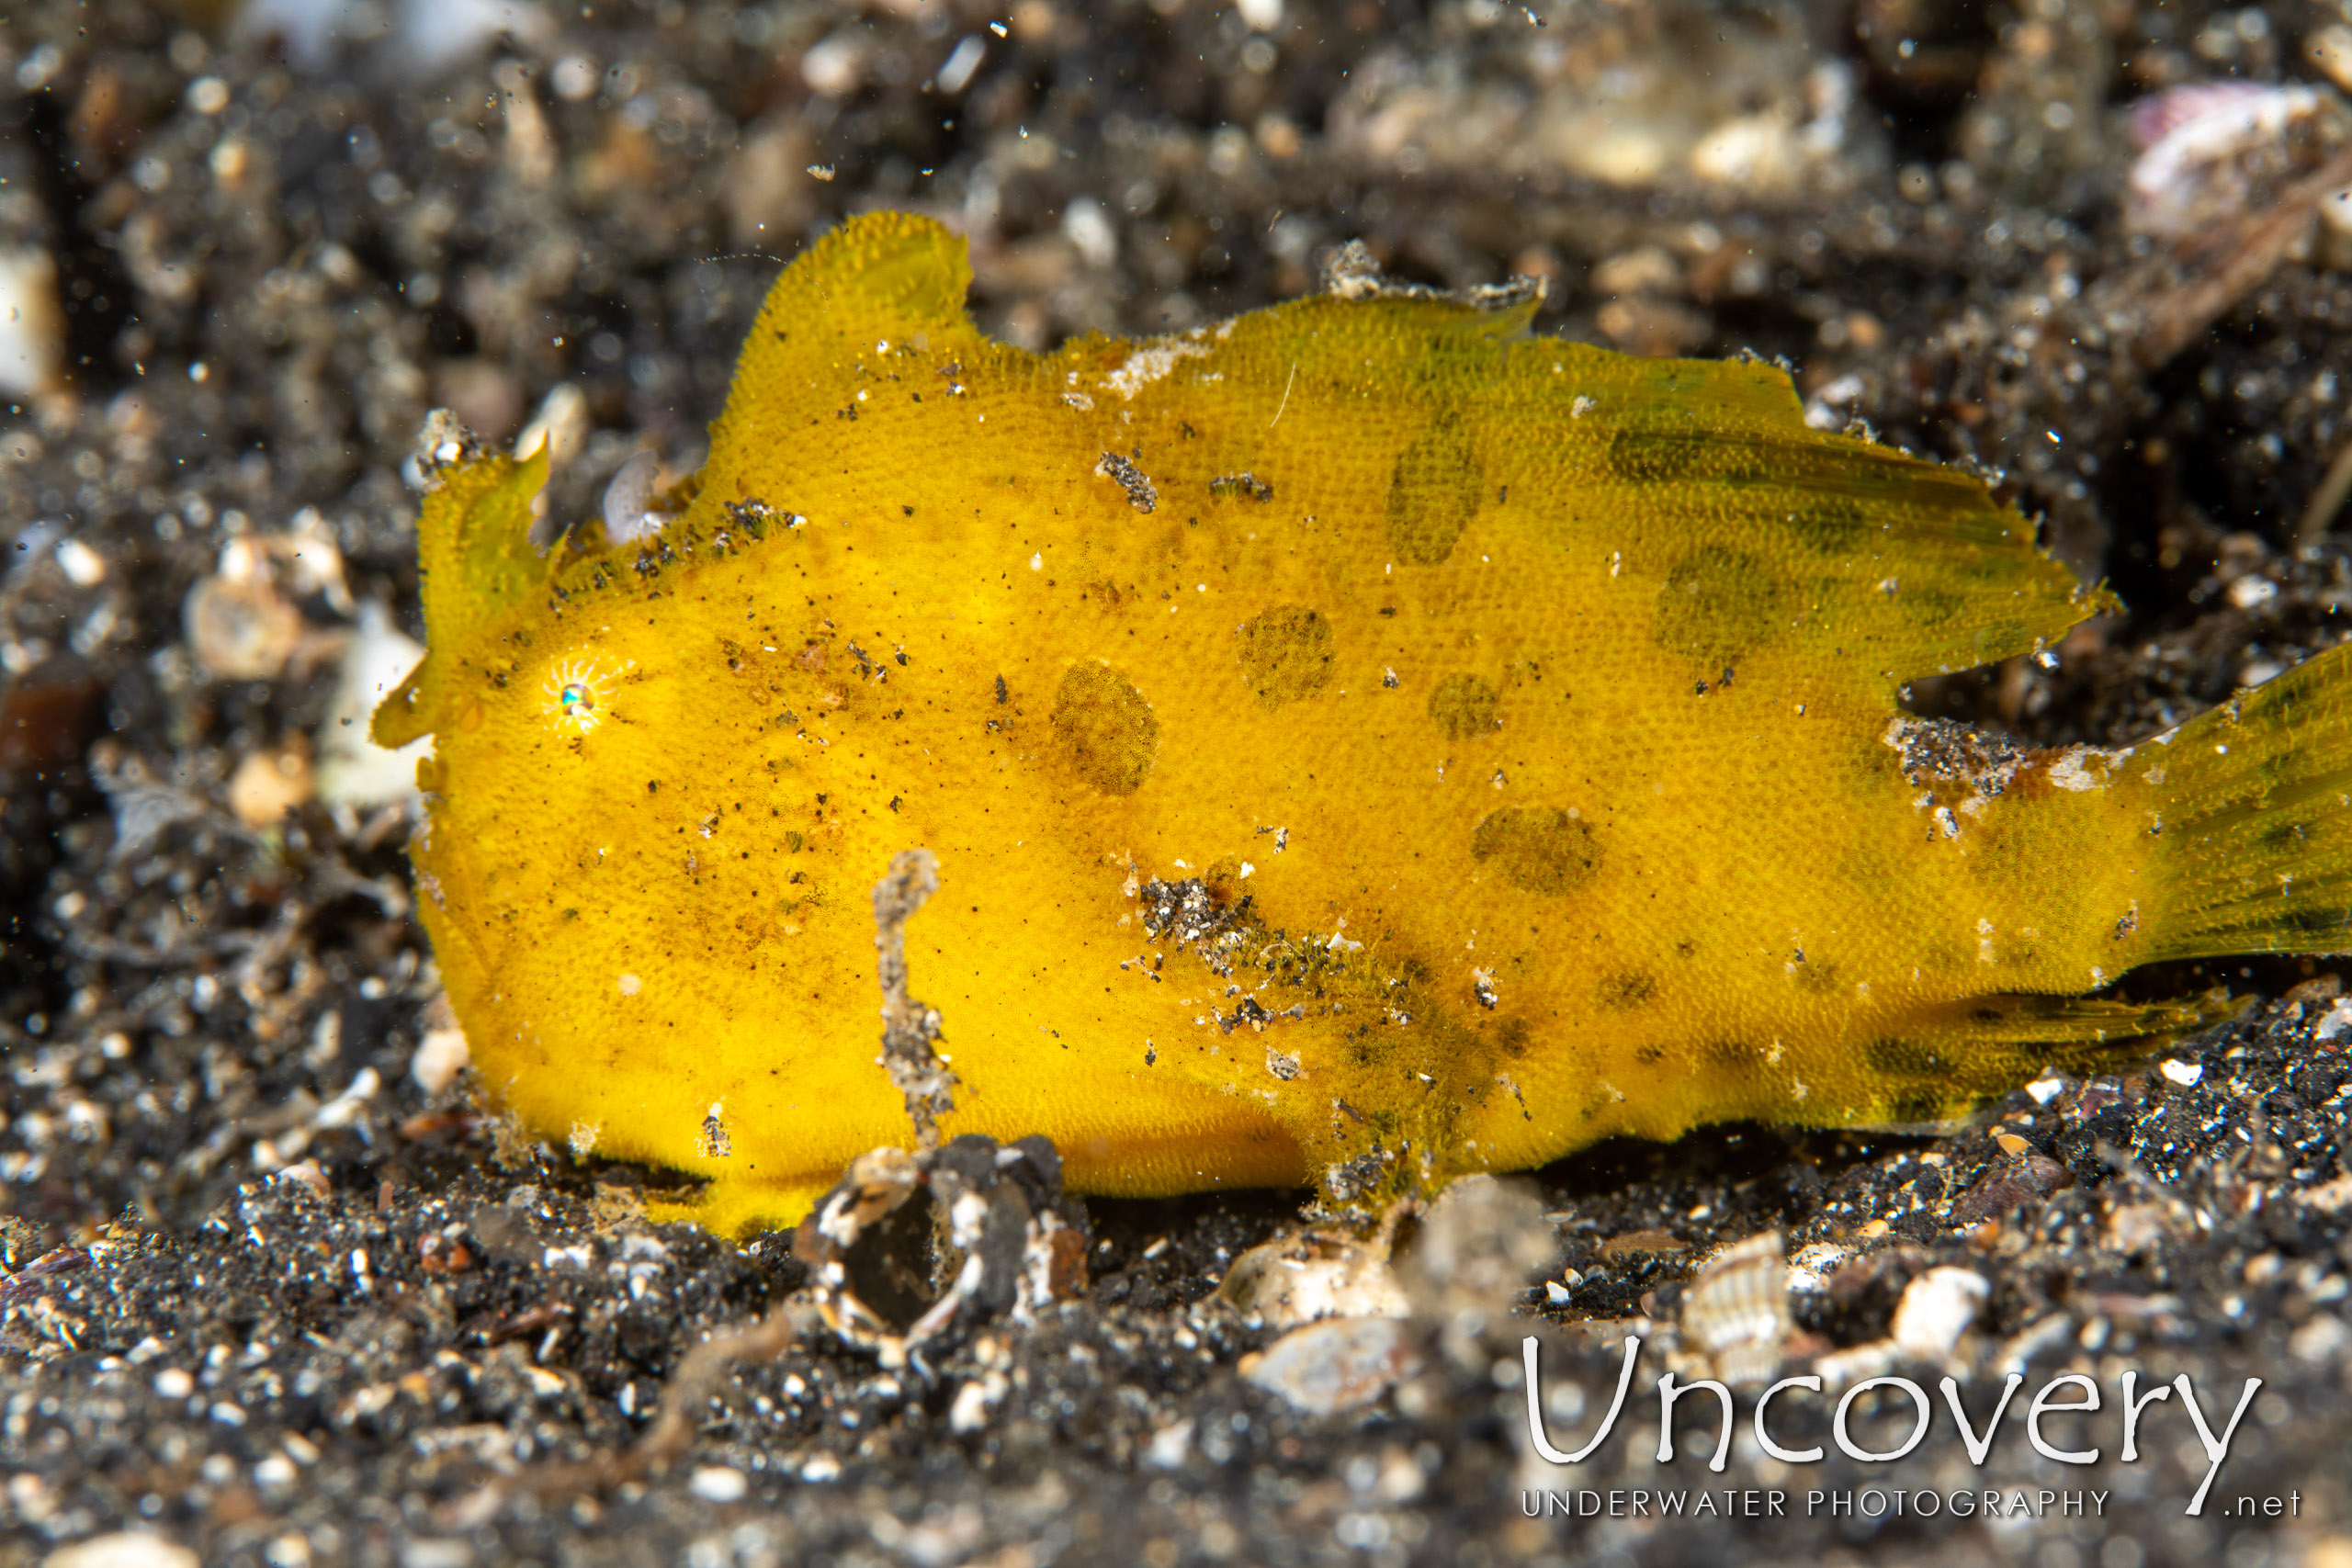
{"x": 1464, "y": 707}
{"x": 1286, "y": 653}
{"x": 1814, "y": 976}
{"x": 1902, "y": 1058}
{"x": 1511, "y": 1036}
{"x": 2280, "y": 835}
{"x": 1732, "y": 1056}
{"x": 1718, "y": 606}
{"x": 1921, "y": 1107}
{"x": 1107, "y": 730}
{"x": 1656, "y": 456}
{"x": 1433, "y": 491}
{"x": 1838, "y": 469}
{"x": 1927, "y": 606}
{"x": 1626, "y": 990}
{"x": 2317, "y": 921}
{"x": 1542, "y": 850}
{"x": 1998, "y": 641}
{"x": 1959, "y": 502}
{"x": 2282, "y": 700}
{"x": 2280, "y": 767}
{"x": 1941, "y": 955}
{"x": 1832, "y": 528}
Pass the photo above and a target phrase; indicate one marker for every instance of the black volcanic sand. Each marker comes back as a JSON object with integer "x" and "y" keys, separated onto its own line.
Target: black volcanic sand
{"x": 381, "y": 1363}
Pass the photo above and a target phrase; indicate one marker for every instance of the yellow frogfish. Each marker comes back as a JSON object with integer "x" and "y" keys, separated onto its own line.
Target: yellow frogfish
{"x": 1359, "y": 730}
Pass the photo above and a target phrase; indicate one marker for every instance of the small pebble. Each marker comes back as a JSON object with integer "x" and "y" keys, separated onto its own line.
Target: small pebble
{"x": 1298, "y": 1279}
{"x": 1170, "y": 1445}
{"x": 970, "y": 1412}
{"x": 307, "y": 1174}
{"x": 2136, "y": 1227}
{"x": 718, "y": 1484}
{"x": 240, "y": 628}
{"x": 131, "y": 1549}
{"x": 2014, "y": 1181}
{"x": 1338, "y": 1364}
{"x": 83, "y": 566}
{"x": 268, "y": 785}
{"x": 440, "y": 1056}
{"x": 1643, "y": 1244}
{"x": 32, "y": 331}
{"x": 1936, "y": 1310}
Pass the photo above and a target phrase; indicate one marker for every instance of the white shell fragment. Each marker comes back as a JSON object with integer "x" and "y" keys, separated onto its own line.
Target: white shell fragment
{"x": 1936, "y": 1310}
{"x": 629, "y": 515}
{"x": 1737, "y": 1311}
{"x": 32, "y": 331}
{"x": 131, "y": 1549}
{"x": 352, "y": 769}
{"x": 1338, "y": 1364}
{"x": 2198, "y": 143}
{"x": 1298, "y": 1279}
{"x": 238, "y": 624}
{"x": 440, "y": 1056}
{"x": 560, "y": 425}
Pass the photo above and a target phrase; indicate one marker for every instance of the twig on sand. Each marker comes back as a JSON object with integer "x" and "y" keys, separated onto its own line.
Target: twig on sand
{"x": 2239, "y": 262}
{"x": 2325, "y": 502}
{"x": 690, "y": 1387}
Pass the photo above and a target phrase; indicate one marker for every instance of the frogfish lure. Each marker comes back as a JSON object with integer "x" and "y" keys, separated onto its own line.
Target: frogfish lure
{"x": 1358, "y": 736}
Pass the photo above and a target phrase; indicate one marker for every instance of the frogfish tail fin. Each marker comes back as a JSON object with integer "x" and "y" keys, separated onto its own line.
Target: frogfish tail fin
{"x": 2253, "y": 802}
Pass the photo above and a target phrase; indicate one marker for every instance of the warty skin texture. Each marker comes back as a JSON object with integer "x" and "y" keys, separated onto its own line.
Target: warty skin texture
{"x": 1511, "y": 725}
